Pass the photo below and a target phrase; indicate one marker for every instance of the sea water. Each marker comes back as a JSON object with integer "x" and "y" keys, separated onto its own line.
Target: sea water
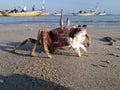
{"x": 107, "y": 21}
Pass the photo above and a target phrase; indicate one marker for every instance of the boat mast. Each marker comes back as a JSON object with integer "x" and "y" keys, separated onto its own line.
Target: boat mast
{"x": 96, "y": 8}
{"x": 43, "y": 4}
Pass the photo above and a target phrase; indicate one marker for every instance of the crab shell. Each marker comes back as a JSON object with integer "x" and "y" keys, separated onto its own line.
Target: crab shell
{"x": 57, "y": 37}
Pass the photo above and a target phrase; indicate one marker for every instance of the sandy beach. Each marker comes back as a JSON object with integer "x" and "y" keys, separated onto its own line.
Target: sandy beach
{"x": 98, "y": 69}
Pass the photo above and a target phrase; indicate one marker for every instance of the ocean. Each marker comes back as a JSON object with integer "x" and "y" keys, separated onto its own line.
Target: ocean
{"x": 107, "y": 21}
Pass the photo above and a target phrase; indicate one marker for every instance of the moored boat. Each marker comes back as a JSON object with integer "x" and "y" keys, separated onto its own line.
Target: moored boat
{"x": 1, "y": 14}
{"x": 45, "y": 11}
{"x": 102, "y": 13}
{"x": 80, "y": 13}
{"x": 56, "y": 14}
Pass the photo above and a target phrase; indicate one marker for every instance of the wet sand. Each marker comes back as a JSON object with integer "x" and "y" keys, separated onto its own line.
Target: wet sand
{"x": 99, "y": 69}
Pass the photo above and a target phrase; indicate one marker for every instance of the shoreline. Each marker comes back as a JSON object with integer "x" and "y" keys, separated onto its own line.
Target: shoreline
{"x": 98, "y": 69}
{"x": 37, "y": 26}
{"x": 53, "y": 21}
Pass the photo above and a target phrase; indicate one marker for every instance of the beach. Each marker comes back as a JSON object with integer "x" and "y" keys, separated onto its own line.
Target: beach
{"x": 98, "y": 69}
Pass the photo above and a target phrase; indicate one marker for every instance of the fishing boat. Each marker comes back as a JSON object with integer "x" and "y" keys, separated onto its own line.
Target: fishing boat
{"x": 1, "y": 14}
{"x": 81, "y": 13}
{"x": 44, "y": 9}
{"x": 22, "y": 14}
{"x": 102, "y": 13}
{"x": 56, "y": 14}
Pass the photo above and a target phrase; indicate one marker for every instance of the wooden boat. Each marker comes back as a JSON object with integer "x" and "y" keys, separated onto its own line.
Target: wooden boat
{"x": 81, "y": 13}
{"x": 56, "y": 14}
{"x": 84, "y": 14}
{"x": 102, "y": 13}
{"x": 45, "y": 11}
{"x": 22, "y": 14}
{"x": 1, "y": 14}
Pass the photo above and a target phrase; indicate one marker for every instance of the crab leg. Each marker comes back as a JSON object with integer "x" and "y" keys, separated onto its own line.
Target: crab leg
{"x": 24, "y": 42}
{"x": 44, "y": 43}
{"x": 89, "y": 39}
{"x": 32, "y": 53}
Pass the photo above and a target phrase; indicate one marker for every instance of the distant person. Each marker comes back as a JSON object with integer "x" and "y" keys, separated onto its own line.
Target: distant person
{"x": 85, "y": 12}
{"x": 33, "y": 8}
{"x": 24, "y": 9}
{"x": 16, "y": 10}
{"x": 80, "y": 11}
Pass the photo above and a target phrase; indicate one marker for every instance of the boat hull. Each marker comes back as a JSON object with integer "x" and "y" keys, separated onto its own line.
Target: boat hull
{"x": 102, "y": 14}
{"x": 1, "y": 14}
{"x": 24, "y": 14}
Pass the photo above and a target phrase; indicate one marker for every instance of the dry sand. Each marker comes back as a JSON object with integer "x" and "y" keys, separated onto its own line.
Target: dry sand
{"x": 99, "y": 69}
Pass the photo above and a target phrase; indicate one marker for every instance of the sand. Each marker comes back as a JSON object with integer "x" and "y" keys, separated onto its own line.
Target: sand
{"x": 98, "y": 69}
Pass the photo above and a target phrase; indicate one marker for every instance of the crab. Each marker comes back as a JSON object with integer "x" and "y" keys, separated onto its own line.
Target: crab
{"x": 53, "y": 39}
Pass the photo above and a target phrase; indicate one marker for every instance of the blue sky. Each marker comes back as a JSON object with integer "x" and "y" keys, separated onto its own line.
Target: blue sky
{"x": 69, "y": 6}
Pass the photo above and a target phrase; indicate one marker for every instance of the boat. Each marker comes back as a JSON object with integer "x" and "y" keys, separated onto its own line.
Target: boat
{"x": 22, "y": 14}
{"x": 1, "y": 14}
{"x": 102, "y": 13}
{"x": 45, "y": 11}
{"x": 56, "y": 14}
{"x": 81, "y": 13}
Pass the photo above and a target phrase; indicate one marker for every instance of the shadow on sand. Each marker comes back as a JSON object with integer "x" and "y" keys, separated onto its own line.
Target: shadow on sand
{"x": 25, "y": 82}
{"x": 8, "y": 47}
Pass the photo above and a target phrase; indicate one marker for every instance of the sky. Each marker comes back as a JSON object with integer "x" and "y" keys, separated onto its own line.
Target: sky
{"x": 69, "y": 6}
